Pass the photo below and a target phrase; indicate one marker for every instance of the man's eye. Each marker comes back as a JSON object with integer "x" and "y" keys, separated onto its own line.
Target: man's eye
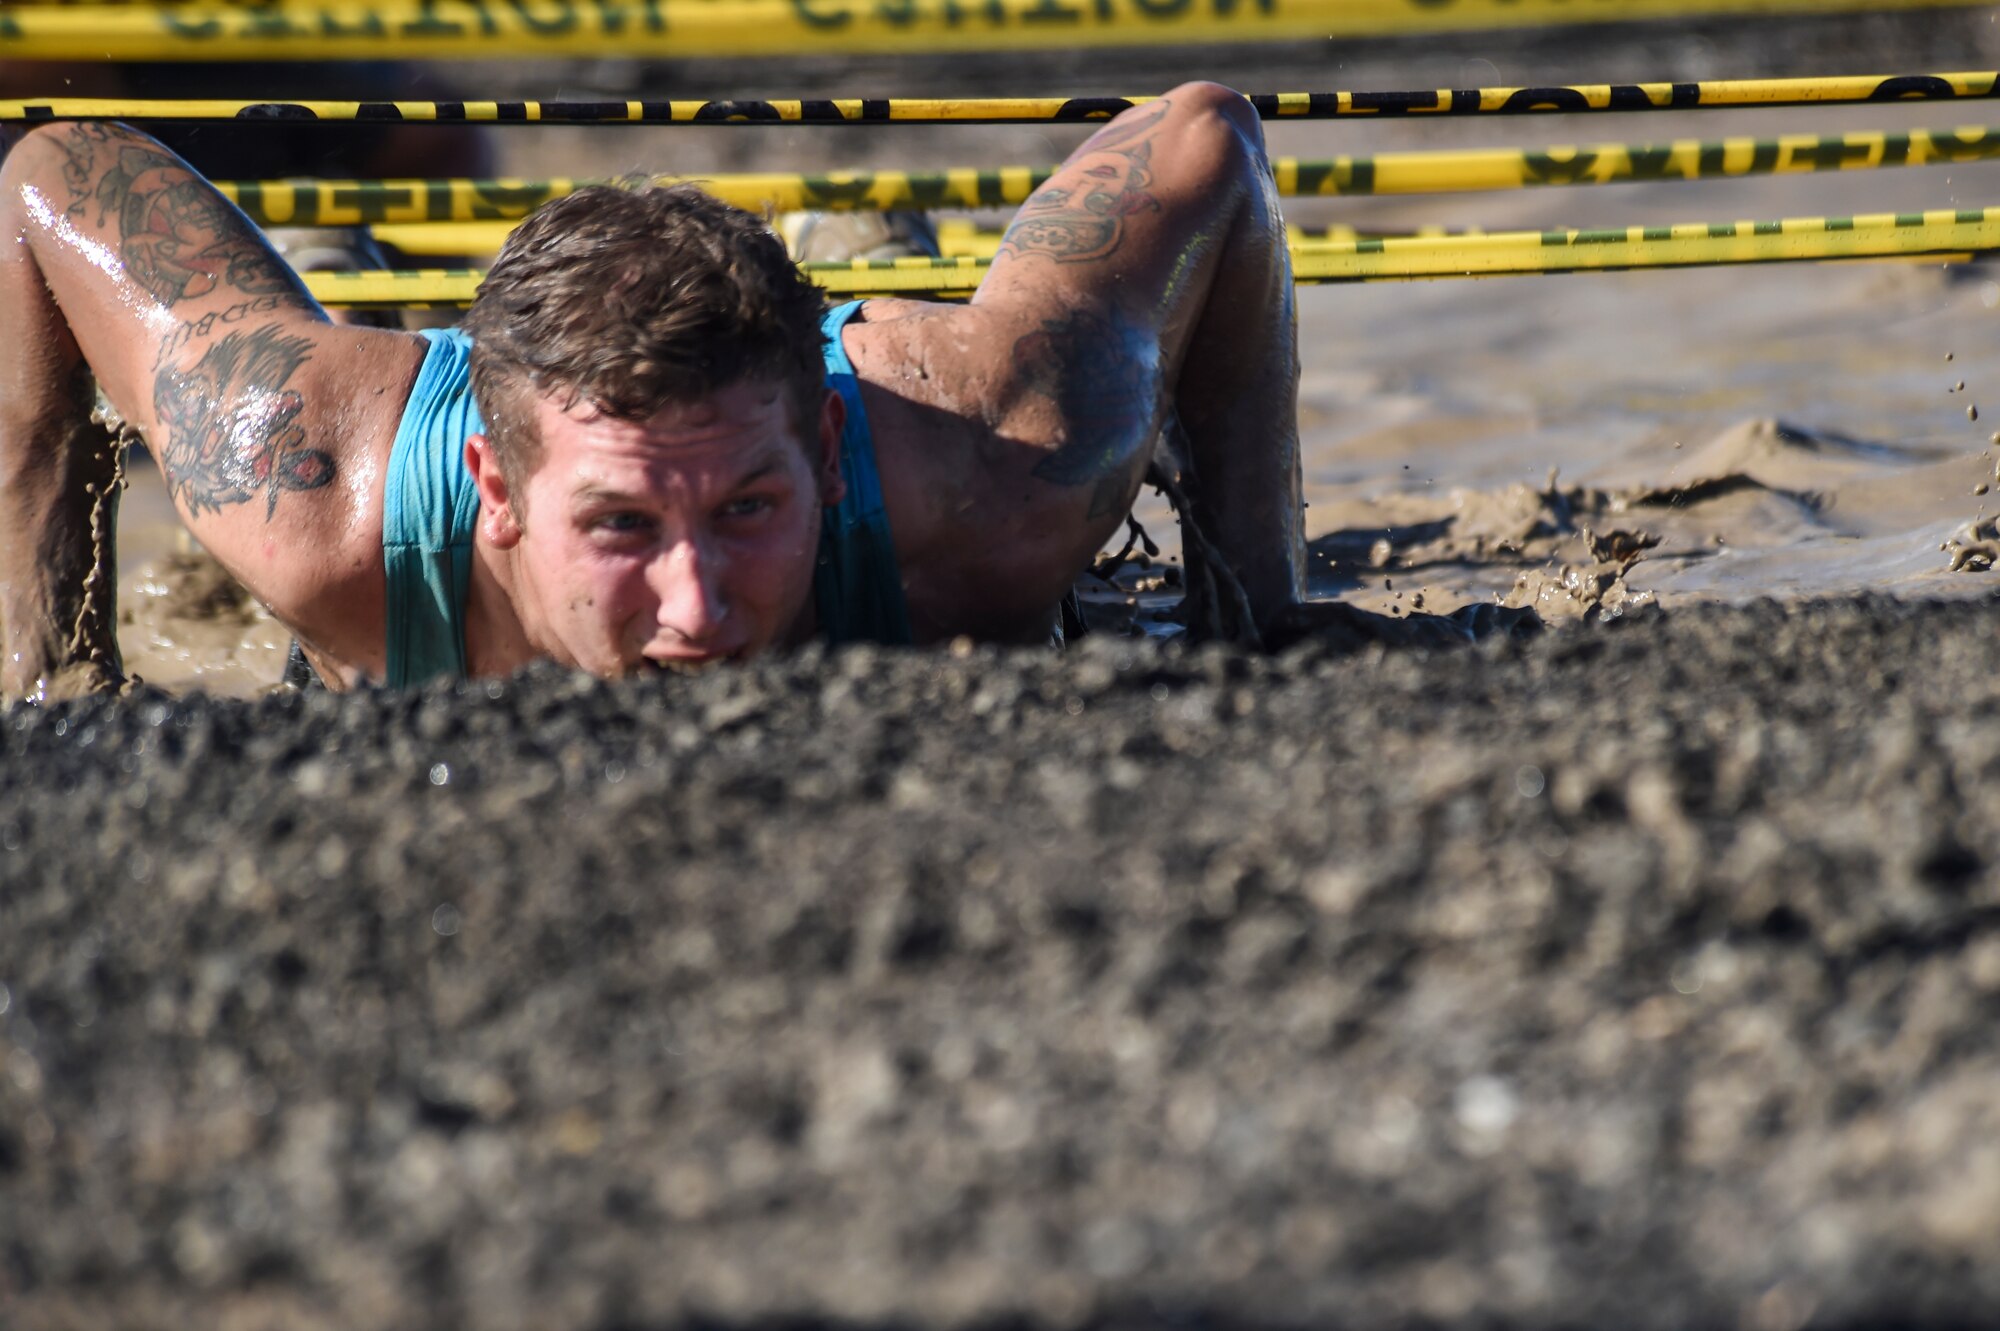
{"x": 745, "y": 508}
{"x": 621, "y": 522}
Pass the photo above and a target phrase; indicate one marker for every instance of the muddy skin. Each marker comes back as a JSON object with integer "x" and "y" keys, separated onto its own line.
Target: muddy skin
{"x": 1640, "y": 975}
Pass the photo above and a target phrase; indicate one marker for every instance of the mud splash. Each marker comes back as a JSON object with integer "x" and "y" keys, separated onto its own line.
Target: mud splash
{"x": 183, "y": 622}
{"x": 1597, "y": 550}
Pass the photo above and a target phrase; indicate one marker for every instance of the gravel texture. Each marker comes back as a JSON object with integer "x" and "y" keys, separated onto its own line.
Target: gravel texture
{"x": 1641, "y": 975}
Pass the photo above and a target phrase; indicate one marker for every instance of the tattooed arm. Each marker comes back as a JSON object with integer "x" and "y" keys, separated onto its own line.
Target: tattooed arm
{"x": 269, "y": 424}
{"x": 1148, "y": 277}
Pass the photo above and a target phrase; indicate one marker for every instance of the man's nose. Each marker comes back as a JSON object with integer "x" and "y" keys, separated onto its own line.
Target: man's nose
{"x": 687, "y": 577}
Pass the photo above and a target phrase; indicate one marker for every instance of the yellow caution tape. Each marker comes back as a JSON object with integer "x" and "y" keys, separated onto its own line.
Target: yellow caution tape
{"x": 429, "y": 29}
{"x": 1972, "y": 86}
{"x": 957, "y": 238}
{"x": 1941, "y": 235}
{"x": 360, "y": 202}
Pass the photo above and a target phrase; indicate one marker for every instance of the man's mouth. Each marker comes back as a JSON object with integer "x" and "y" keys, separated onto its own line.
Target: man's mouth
{"x": 684, "y": 665}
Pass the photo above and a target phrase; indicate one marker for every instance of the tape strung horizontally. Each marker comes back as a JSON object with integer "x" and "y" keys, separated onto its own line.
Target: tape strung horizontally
{"x": 1943, "y": 235}
{"x": 362, "y": 202}
{"x": 1966, "y": 86}
{"x": 430, "y": 29}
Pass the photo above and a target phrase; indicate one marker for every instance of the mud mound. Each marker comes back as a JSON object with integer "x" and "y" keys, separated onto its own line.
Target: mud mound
{"x": 1643, "y": 976}
{"x": 1771, "y": 450}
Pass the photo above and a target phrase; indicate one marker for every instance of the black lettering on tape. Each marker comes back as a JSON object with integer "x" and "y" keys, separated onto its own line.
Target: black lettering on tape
{"x": 1092, "y": 108}
{"x": 1050, "y": 11}
{"x": 428, "y": 24}
{"x": 815, "y": 18}
{"x": 1913, "y": 87}
{"x": 199, "y": 31}
{"x": 563, "y": 20}
{"x": 250, "y": 198}
{"x": 493, "y": 201}
{"x": 757, "y": 112}
{"x": 270, "y": 22}
{"x": 826, "y": 192}
{"x": 1830, "y": 154}
{"x": 1649, "y": 161}
{"x": 369, "y": 25}
{"x": 1398, "y": 103}
{"x": 286, "y": 111}
{"x": 1955, "y": 146}
{"x": 1546, "y": 168}
{"x": 1545, "y": 99}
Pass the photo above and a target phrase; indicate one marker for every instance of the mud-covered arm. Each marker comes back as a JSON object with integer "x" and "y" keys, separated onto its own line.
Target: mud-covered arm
{"x": 58, "y": 501}
{"x": 270, "y": 425}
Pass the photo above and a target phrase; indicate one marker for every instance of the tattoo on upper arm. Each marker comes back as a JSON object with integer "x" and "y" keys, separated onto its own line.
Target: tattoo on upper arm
{"x": 1104, "y": 377}
{"x": 232, "y": 425}
{"x": 1072, "y": 222}
{"x": 178, "y": 238}
{"x": 189, "y": 329}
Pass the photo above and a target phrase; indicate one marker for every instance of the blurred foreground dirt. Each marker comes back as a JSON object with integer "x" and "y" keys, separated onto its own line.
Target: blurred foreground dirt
{"x": 1644, "y": 975}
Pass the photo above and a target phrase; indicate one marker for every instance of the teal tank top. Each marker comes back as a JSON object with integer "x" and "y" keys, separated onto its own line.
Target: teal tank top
{"x": 430, "y": 507}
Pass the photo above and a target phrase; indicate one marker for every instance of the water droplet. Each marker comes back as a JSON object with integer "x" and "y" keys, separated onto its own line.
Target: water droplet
{"x": 440, "y": 774}
{"x": 1529, "y": 782}
{"x": 445, "y": 920}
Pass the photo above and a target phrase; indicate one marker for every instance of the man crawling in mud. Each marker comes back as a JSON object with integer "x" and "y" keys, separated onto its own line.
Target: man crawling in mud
{"x": 650, "y": 445}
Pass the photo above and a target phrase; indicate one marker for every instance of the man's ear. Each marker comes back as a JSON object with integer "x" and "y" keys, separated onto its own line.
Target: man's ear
{"x": 496, "y": 510}
{"x": 832, "y": 424}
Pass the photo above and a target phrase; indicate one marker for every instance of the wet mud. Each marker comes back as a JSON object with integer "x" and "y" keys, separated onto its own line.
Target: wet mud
{"x": 1644, "y": 974}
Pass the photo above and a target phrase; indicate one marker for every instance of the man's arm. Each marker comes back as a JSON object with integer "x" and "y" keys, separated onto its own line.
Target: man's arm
{"x": 270, "y": 425}
{"x": 1148, "y": 274}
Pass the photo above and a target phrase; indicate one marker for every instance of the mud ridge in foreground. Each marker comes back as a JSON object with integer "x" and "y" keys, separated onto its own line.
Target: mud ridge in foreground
{"x": 1644, "y": 975}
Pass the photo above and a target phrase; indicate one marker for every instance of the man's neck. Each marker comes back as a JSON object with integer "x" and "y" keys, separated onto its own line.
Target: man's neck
{"x": 497, "y": 642}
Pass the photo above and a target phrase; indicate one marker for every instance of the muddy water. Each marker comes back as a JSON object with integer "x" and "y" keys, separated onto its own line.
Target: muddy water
{"x": 1713, "y": 434}
{"x": 182, "y": 623}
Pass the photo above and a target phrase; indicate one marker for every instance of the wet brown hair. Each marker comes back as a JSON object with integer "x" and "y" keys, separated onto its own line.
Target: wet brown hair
{"x": 632, "y": 299}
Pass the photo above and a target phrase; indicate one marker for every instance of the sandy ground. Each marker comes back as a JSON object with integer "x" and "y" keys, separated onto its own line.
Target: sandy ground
{"x": 1640, "y": 975}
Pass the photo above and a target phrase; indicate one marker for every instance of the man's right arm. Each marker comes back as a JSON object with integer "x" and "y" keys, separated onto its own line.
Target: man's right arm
{"x": 271, "y": 426}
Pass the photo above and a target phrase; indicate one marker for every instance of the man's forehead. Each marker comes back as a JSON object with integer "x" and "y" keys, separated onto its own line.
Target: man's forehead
{"x": 633, "y": 466}
{"x": 750, "y": 404}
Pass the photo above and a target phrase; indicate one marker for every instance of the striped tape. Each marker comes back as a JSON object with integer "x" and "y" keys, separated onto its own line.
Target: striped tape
{"x": 362, "y": 202}
{"x": 1974, "y": 86}
{"x": 957, "y": 238}
{"x": 430, "y": 29}
{"x": 1942, "y": 235}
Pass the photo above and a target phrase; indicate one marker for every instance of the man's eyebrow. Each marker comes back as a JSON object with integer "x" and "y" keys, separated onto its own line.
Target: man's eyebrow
{"x": 756, "y": 474}
{"x": 600, "y": 495}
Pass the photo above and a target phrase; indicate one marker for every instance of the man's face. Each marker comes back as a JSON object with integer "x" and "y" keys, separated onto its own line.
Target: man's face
{"x": 680, "y": 540}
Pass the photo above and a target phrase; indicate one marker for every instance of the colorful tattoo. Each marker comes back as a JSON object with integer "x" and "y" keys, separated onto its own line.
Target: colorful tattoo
{"x": 232, "y": 426}
{"x": 178, "y": 238}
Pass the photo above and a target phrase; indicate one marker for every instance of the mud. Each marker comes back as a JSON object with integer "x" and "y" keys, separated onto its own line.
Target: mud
{"x": 1642, "y": 975}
